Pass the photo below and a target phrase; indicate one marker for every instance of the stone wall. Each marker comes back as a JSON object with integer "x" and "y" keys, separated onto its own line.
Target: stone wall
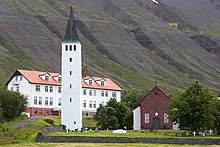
{"x": 52, "y": 129}
{"x": 42, "y": 138}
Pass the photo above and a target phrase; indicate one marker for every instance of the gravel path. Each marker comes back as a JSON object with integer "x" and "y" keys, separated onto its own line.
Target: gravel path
{"x": 24, "y": 122}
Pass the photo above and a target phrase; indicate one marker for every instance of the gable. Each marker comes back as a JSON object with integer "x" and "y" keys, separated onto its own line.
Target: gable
{"x": 155, "y": 95}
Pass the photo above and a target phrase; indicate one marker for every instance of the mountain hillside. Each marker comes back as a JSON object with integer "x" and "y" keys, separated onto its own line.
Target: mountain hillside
{"x": 134, "y": 42}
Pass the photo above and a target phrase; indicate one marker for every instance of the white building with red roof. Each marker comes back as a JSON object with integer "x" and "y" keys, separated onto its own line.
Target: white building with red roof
{"x": 43, "y": 90}
{"x": 68, "y": 94}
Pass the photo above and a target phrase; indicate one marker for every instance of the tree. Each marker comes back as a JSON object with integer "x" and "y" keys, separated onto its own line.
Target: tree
{"x": 113, "y": 115}
{"x": 105, "y": 117}
{"x": 216, "y": 104}
{"x": 120, "y": 109}
{"x": 132, "y": 97}
{"x": 12, "y": 104}
{"x": 193, "y": 109}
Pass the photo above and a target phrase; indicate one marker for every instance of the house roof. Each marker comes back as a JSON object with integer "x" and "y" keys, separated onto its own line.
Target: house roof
{"x": 155, "y": 89}
{"x": 34, "y": 78}
{"x": 71, "y": 32}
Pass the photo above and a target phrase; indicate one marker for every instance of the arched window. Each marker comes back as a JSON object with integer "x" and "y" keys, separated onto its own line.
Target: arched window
{"x": 66, "y": 47}
{"x": 74, "y": 47}
{"x": 70, "y": 47}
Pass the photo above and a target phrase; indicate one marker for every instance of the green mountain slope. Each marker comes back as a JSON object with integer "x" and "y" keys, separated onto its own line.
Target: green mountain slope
{"x": 135, "y": 42}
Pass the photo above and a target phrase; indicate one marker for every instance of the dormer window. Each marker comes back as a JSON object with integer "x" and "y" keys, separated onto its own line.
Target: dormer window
{"x": 59, "y": 79}
{"x": 47, "y": 78}
{"x": 102, "y": 83}
{"x": 90, "y": 82}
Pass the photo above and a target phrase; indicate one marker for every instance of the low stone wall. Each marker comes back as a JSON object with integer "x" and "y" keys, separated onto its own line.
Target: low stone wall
{"x": 205, "y": 141}
{"x": 58, "y": 139}
{"x": 52, "y": 129}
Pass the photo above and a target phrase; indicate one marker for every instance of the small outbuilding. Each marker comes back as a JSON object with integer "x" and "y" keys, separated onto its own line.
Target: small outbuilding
{"x": 151, "y": 112}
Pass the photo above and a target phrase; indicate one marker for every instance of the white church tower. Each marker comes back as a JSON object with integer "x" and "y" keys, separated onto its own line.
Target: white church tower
{"x": 71, "y": 112}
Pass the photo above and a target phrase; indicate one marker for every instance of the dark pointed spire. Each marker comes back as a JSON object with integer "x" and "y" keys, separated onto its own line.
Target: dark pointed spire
{"x": 71, "y": 33}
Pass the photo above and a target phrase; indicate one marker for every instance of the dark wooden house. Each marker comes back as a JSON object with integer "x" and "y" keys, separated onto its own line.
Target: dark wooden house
{"x": 152, "y": 111}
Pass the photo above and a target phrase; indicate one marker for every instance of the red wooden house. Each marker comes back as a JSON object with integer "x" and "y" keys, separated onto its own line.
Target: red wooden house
{"x": 152, "y": 111}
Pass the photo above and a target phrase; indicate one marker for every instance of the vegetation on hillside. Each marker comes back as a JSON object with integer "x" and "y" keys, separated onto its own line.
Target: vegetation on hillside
{"x": 133, "y": 43}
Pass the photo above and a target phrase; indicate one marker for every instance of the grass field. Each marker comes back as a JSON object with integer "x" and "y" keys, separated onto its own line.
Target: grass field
{"x": 25, "y": 136}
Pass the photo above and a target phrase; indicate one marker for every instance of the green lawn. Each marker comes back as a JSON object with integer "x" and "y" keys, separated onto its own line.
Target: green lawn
{"x": 25, "y": 136}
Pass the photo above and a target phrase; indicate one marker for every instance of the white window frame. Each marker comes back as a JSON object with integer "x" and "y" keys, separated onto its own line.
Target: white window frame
{"x": 102, "y": 93}
{"x": 84, "y": 103}
{"x": 114, "y": 94}
{"x": 40, "y": 100}
{"x": 84, "y": 91}
{"x": 90, "y": 104}
{"x": 90, "y": 92}
{"x": 59, "y": 89}
{"x": 37, "y": 88}
{"x": 59, "y": 101}
{"x": 147, "y": 118}
{"x": 35, "y": 100}
{"x": 46, "y": 101}
{"x": 166, "y": 118}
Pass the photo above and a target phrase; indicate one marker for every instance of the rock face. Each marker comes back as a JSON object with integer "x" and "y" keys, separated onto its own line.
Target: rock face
{"x": 132, "y": 41}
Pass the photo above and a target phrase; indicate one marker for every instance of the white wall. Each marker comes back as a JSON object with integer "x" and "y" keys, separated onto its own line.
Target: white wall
{"x": 98, "y": 98}
{"x": 137, "y": 118}
{"x": 29, "y": 90}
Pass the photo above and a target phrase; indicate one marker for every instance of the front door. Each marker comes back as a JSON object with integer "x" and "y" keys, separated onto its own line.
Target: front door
{"x": 156, "y": 123}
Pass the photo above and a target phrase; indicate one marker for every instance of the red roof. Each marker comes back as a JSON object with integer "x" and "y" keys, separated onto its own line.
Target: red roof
{"x": 34, "y": 77}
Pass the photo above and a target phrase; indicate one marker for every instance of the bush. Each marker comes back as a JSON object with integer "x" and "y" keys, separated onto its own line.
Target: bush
{"x": 50, "y": 121}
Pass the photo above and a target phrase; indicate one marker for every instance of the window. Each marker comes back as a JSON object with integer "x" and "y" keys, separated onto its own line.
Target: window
{"x": 90, "y": 92}
{"x": 90, "y": 82}
{"x": 16, "y": 78}
{"x": 46, "y": 88}
{"x": 90, "y": 104}
{"x": 59, "y": 89}
{"x": 70, "y": 86}
{"x": 102, "y": 83}
{"x": 156, "y": 107}
{"x": 166, "y": 118}
{"x": 20, "y": 78}
{"x": 37, "y": 87}
{"x": 146, "y": 115}
{"x": 106, "y": 93}
{"x": 74, "y": 47}
{"x": 51, "y": 88}
{"x": 102, "y": 93}
{"x": 94, "y": 104}
{"x": 35, "y": 100}
{"x": 51, "y": 101}
{"x": 94, "y": 92}
{"x": 70, "y": 100}
{"x": 102, "y": 103}
{"x": 46, "y": 101}
{"x": 114, "y": 94}
{"x": 70, "y": 72}
{"x": 12, "y": 88}
{"x": 66, "y": 47}
{"x": 59, "y": 101}
{"x": 35, "y": 111}
{"x": 47, "y": 78}
{"x": 17, "y": 88}
{"x": 148, "y": 108}
{"x": 70, "y": 47}
{"x": 70, "y": 59}
{"x": 46, "y": 112}
{"x": 84, "y": 103}
{"x": 40, "y": 101}
{"x": 40, "y": 112}
{"x": 84, "y": 91}
{"x": 59, "y": 79}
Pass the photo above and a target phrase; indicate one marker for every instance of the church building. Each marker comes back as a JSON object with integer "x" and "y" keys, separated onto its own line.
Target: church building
{"x": 68, "y": 93}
